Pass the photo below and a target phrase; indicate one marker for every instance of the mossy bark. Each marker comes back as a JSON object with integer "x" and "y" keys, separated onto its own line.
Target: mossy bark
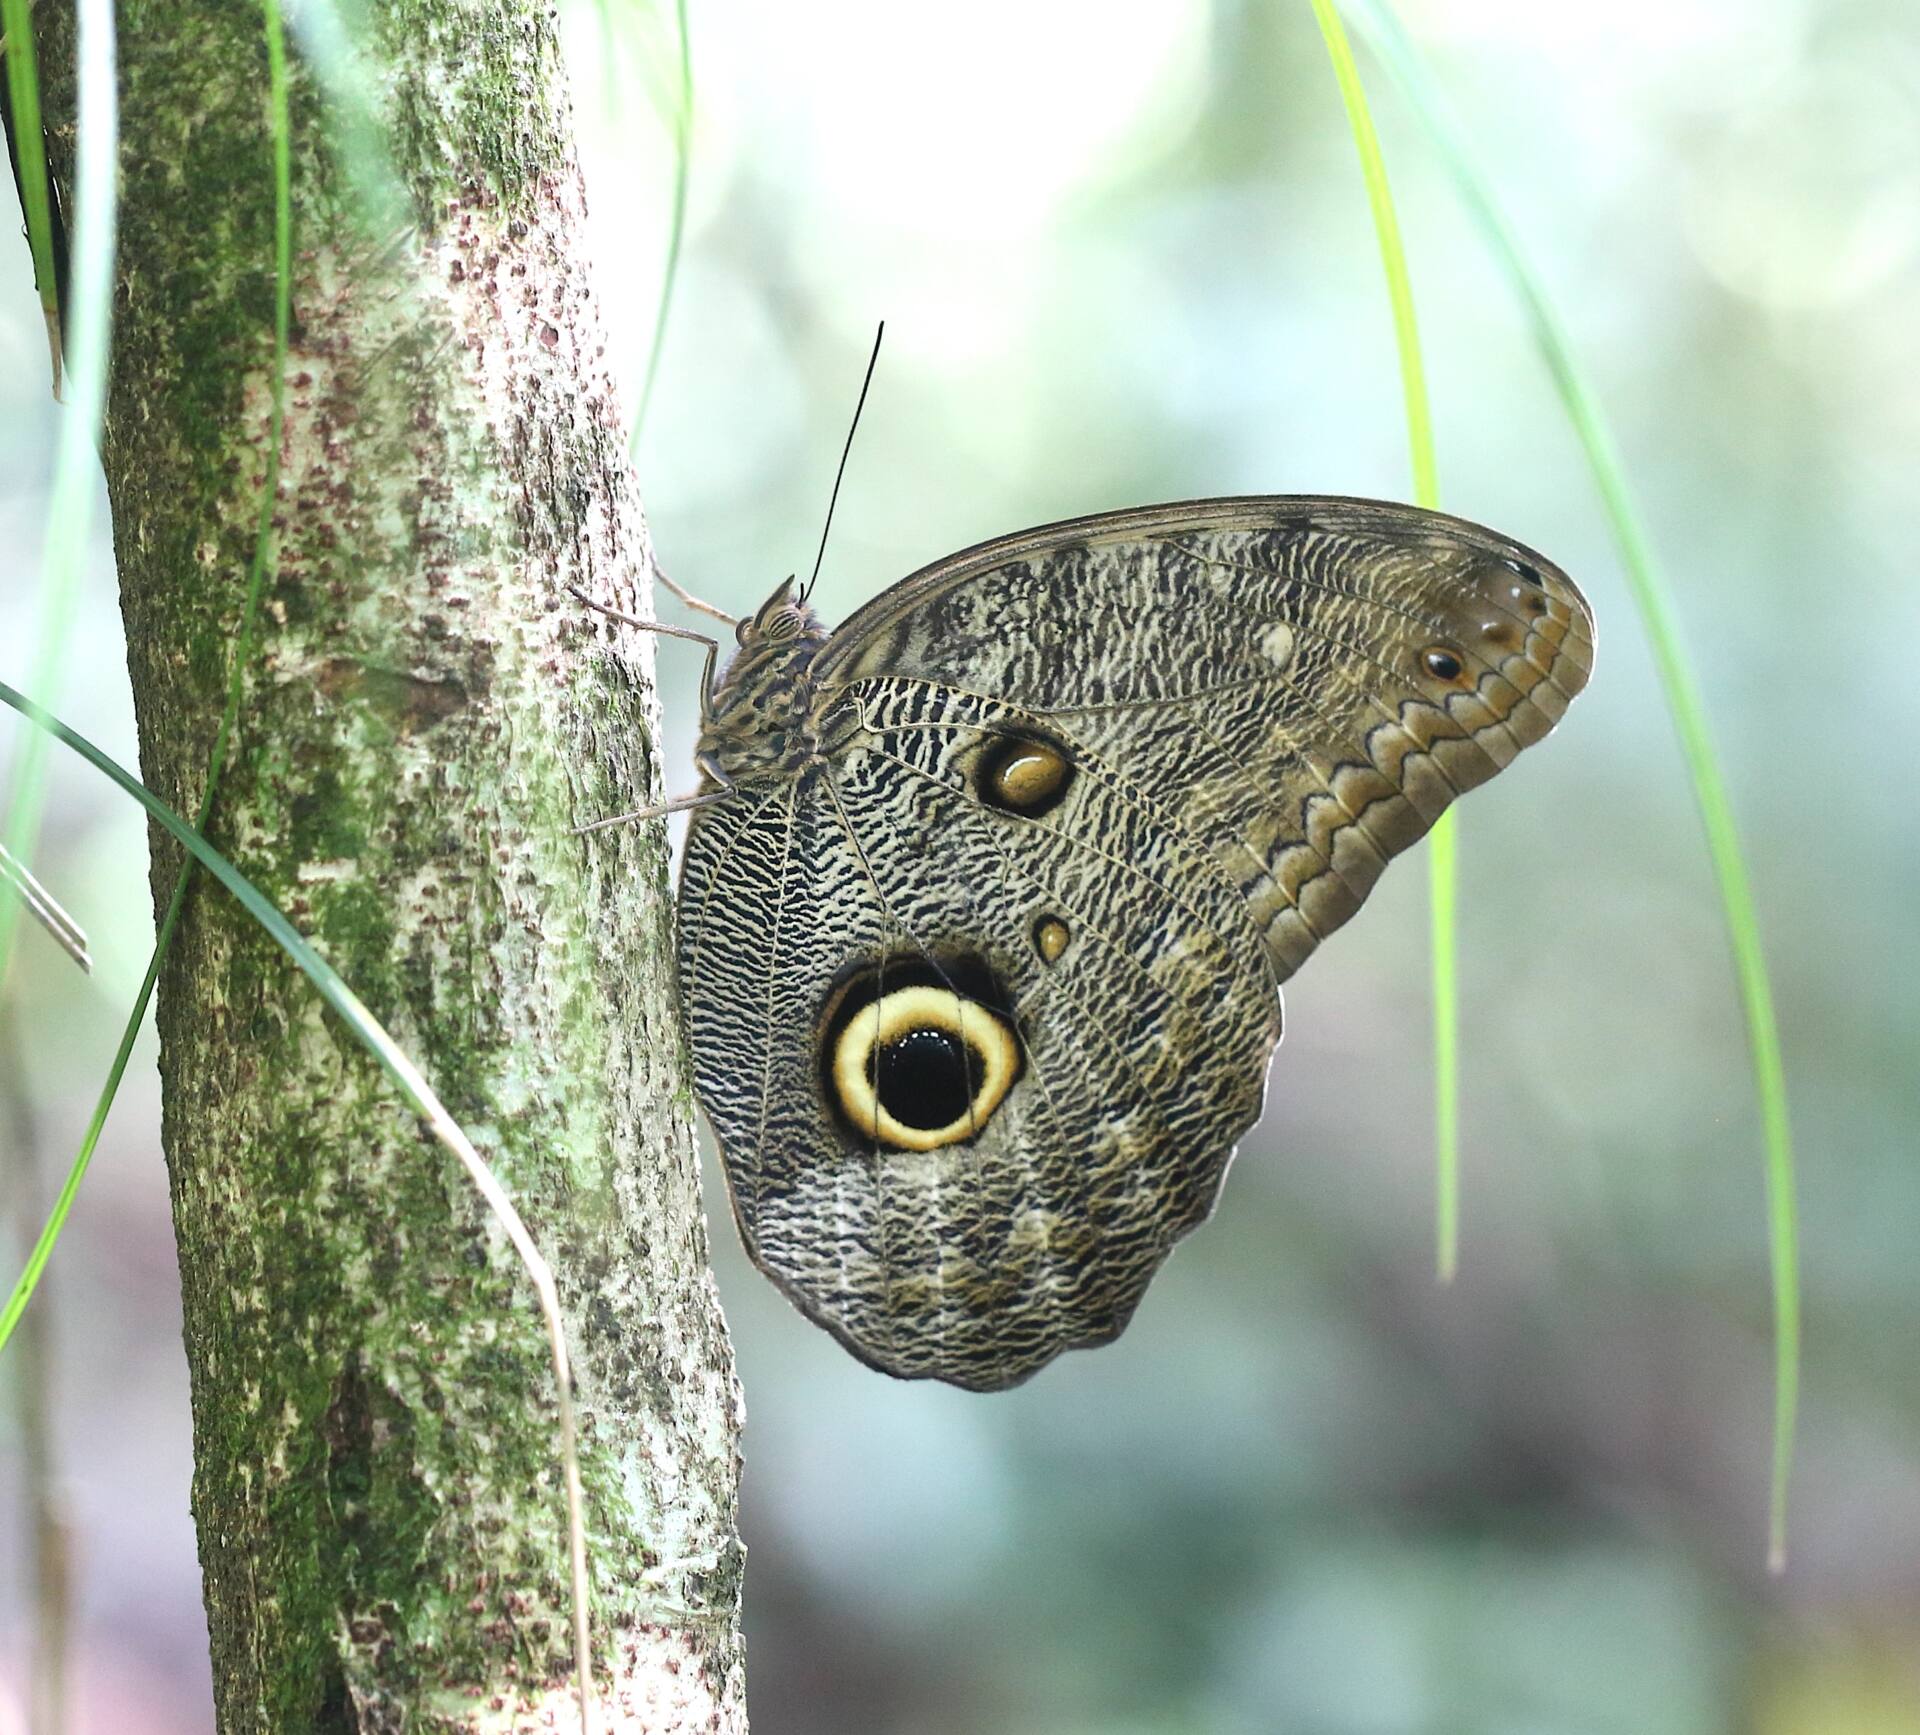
{"x": 426, "y": 715}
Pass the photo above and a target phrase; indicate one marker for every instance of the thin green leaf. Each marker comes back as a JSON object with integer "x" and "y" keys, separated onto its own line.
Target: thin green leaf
{"x": 394, "y": 1061}
{"x": 242, "y": 651}
{"x": 45, "y": 909}
{"x": 332, "y": 989}
{"x": 346, "y": 64}
{"x": 30, "y": 161}
{"x": 1442, "y": 853}
{"x": 75, "y": 472}
{"x": 1661, "y": 619}
{"x": 1443, "y": 901}
{"x": 676, "y": 223}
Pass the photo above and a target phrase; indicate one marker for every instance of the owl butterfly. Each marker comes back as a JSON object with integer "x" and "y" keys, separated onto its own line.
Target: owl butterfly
{"x": 989, "y": 893}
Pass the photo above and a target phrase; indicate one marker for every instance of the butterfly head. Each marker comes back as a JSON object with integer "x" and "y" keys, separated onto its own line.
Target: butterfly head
{"x": 781, "y": 619}
{"x": 760, "y": 717}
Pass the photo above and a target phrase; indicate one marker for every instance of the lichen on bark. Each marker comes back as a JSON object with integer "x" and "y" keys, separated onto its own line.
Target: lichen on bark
{"x": 426, "y": 715}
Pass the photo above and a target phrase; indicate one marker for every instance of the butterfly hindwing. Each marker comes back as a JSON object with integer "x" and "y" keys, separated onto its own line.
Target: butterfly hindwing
{"x": 1141, "y": 1011}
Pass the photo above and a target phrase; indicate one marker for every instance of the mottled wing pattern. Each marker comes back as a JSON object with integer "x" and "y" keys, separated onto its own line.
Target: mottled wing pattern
{"x": 1239, "y": 710}
{"x": 1144, "y": 1047}
{"x": 1302, "y": 684}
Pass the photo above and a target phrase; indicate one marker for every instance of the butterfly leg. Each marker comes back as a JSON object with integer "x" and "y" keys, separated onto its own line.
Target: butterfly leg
{"x": 661, "y": 627}
{"x": 680, "y": 804}
{"x": 692, "y": 601}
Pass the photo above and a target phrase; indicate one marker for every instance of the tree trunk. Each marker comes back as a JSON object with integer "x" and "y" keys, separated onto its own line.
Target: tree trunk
{"x": 427, "y": 713}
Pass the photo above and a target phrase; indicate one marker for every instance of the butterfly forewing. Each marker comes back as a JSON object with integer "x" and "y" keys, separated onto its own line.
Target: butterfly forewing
{"x": 1305, "y": 684}
{"x": 982, "y": 983}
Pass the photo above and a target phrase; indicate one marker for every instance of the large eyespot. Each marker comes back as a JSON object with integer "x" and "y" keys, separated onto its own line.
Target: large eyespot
{"x": 1023, "y": 774}
{"x": 911, "y": 1059}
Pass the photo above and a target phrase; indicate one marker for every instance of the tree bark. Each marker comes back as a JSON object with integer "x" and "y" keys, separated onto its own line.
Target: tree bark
{"x": 427, "y": 713}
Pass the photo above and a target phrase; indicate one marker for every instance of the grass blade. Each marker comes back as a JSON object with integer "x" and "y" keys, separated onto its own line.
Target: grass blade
{"x": 45, "y": 909}
{"x": 677, "y": 222}
{"x": 1443, "y": 874}
{"x": 392, "y": 1059}
{"x": 26, "y": 146}
{"x": 70, "y": 507}
{"x": 48, "y": 1525}
{"x": 1661, "y": 619}
{"x": 342, "y": 60}
{"x": 398, "y": 1066}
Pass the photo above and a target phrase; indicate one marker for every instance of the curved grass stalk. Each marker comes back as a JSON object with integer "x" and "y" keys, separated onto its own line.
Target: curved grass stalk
{"x": 345, "y": 66}
{"x": 364, "y": 1027}
{"x": 676, "y": 223}
{"x": 1443, "y": 873}
{"x": 45, "y": 909}
{"x": 242, "y": 653}
{"x": 1660, "y": 617}
{"x": 394, "y": 1061}
{"x": 30, "y": 165}
{"x": 70, "y": 506}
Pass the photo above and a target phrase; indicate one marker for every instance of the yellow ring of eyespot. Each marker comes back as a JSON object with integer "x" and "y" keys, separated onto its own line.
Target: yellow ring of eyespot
{"x": 891, "y": 1017}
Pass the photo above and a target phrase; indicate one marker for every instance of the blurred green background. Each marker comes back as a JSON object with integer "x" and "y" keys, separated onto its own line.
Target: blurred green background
{"x": 1124, "y": 256}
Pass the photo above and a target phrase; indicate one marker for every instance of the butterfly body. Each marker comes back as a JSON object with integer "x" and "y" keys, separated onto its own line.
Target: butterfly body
{"x": 761, "y": 719}
{"x": 981, "y": 949}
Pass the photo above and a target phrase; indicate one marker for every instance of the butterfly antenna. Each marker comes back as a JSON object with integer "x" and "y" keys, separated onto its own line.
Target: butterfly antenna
{"x": 844, "y": 450}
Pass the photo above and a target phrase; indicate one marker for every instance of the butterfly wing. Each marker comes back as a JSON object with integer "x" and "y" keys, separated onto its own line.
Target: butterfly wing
{"x": 1137, "y": 1055}
{"x": 983, "y": 997}
{"x": 1303, "y": 683}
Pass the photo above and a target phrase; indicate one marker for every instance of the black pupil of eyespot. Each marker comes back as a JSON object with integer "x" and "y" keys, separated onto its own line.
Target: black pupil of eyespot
{"x": 1527, "y": 571}
{"x": 1442, "y": 665}
{"x": 926, "y": 1078}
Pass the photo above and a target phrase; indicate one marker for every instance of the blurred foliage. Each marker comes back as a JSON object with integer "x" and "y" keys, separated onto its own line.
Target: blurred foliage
{"x": 1307, "y": 1492}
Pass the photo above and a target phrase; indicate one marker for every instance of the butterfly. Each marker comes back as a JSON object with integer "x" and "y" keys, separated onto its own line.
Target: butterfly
{"x": 988, "y": 894}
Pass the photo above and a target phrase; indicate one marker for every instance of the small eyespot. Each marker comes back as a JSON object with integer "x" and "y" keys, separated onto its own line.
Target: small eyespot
{"x": 1442, "y": 663}
{"x": 1050, "y": 937}
{"x": 1527, "y": 571}
{"x": 1025, "y": 776}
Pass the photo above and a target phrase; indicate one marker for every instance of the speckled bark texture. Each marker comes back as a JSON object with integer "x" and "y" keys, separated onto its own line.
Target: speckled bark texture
{"x": 376, "y": 1489}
